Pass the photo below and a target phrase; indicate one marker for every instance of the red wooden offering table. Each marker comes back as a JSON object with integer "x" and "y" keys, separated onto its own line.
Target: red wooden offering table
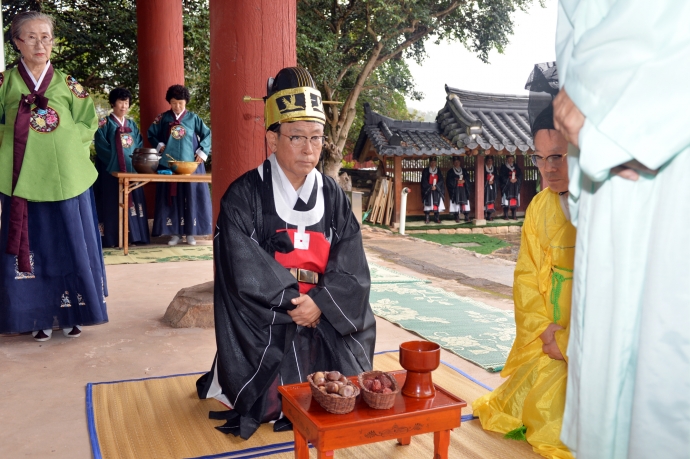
{"x": 409, "y": 416}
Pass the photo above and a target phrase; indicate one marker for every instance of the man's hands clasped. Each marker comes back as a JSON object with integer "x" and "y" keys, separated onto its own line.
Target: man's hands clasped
{"x": 306, "y": 313}
{"x": 550, "y": 347}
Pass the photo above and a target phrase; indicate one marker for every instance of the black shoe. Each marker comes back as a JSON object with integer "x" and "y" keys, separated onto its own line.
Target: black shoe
{"x": 467, "y": 217}
{"x": 505, "y": 213}
{"x": 457, "y": 217}
{"x": 514, "y": 212}
{"x": 426, "y": 217}
{"x": 438, "y": 217}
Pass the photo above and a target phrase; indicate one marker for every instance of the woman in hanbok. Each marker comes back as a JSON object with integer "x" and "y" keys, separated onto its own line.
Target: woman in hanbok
{"x": 180, "y": 135}
{"x": 116, "y": 139}
{"x": 51, "y": 264}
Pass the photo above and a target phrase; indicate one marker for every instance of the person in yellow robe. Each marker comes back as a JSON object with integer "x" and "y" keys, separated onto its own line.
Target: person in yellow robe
{"x": 529, "y": 405}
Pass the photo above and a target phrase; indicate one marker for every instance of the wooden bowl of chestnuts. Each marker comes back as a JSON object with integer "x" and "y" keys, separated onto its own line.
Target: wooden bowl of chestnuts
{"x": 333, "y": 391}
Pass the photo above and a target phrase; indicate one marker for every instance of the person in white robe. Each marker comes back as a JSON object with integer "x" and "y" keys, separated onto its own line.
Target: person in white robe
{"x": 624, "y": 69}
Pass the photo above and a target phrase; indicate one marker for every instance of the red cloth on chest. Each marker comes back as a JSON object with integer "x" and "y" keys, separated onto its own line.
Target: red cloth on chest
{"x": 315, "y": 258}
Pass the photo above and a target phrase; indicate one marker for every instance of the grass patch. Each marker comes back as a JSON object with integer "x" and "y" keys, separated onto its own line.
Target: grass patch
{"x": 487, "y": 244}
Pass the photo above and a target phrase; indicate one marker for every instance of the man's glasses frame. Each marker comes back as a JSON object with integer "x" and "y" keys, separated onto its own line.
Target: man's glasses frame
{"x": 554, "y": 160}
{"x": 297, "y": 141}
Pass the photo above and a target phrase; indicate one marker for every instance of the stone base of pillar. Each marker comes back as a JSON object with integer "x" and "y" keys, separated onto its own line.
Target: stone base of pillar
{"x": 192, "y": 307}
{"x": 478, "y": 222}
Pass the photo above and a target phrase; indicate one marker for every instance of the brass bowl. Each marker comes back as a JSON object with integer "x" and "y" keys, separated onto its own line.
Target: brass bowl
{"x": 183, "y": 167}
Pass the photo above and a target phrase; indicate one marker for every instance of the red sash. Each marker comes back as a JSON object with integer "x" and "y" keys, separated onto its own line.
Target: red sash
{"x": 18, "y": 232}
{"x": 172, "y": 187}
{"x": 314, "y": 258}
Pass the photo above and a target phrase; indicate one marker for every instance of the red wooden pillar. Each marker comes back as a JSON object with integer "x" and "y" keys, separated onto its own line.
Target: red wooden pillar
{"x": 251, "y": 40}
{"x": 161, "y": 64}
{"x": 479, "y": 190}
{"x": 161, "y": 61}
{"x": 397, "y": 189}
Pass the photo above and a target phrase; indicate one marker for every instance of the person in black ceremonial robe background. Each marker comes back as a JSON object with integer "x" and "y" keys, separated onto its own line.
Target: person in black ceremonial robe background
{"x": 489, "y": 188}
{"x": 291, "y": 279}
{"x": 458, "y": 190}
{"x": 432, "y": 190}
{"x": 510, "y": 179}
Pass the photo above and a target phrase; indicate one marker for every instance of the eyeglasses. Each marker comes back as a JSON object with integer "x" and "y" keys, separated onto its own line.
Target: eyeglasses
{"x": 554, "y": 160}
{"x": 299, "y": 141}
{"x": 33, "y": 41}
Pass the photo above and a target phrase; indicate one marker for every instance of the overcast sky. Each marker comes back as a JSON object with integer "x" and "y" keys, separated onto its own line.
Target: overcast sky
{"x": 452, "y": 64}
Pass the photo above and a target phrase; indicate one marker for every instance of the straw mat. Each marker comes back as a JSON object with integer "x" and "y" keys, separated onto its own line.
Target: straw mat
{"x": 161, "y": 418}
{"x": 159, "y": 254}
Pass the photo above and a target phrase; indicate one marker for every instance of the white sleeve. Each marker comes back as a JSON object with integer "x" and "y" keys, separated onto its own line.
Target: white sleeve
{"x": 624, "y": 64}
{"x": 201, "y": 154}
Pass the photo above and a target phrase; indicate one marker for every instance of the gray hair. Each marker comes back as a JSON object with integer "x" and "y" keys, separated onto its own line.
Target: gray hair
{"x": 22, "y": 18}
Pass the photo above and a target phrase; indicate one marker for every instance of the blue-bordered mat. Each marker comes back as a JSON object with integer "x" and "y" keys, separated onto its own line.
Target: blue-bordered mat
{"x": 161, "y": 417}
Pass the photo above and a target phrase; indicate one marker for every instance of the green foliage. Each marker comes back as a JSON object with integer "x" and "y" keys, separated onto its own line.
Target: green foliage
{"x": 96, "y": 42}
{"x": 355, "y": 48}
{"x": 197, "y": 51}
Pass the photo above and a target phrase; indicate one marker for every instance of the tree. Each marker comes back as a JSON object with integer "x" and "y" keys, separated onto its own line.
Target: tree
{"x": 96, "y": 42}
{"x": 344, "y": 43}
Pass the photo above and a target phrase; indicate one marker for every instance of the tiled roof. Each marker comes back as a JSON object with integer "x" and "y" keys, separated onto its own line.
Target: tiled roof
{"x": 497, "y": 120}
{"x": 469, "y": 120}
{"x": 402, "y": 138}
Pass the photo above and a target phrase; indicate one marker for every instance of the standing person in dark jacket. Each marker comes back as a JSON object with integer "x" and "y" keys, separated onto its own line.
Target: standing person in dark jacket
{"x": 510, "y": 179}
{"x": 432, "y": 190}
{"x": 458, "y": 190}
{"x": 489, "y": 188}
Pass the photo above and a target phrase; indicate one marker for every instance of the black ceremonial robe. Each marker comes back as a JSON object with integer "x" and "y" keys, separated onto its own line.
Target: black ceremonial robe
{"x": 458, "y": 194}
{"x": 509, "y": 190}
{"x": 489, "y": 188}
{"x": 431, "y": 197}
{"x": 259, "y": 346}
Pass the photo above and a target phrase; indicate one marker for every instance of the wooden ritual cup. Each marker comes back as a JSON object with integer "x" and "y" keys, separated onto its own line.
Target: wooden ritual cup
{"x": 419, "y": 358}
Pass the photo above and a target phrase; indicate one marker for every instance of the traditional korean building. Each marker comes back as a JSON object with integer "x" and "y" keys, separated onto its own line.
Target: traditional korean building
{"x": 472, "y": 125}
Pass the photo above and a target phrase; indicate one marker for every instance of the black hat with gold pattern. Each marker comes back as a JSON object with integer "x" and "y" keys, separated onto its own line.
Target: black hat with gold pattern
{"x": 292, "y": 96}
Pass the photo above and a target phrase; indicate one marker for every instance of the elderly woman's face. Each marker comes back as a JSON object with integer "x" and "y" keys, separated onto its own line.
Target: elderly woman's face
{"x": 177, "y": 105}
{"x": 35, "y": 42}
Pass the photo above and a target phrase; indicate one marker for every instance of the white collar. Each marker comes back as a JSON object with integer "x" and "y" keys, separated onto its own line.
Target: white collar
{"x": 434, "y": 170}
{"x": 37, "y": 84}
{"x": 285, "y": 196}
{"x": 458, "y": 170}
{"x": 512, "y": 168}
{"x": 177, "y": 117}
{"x": 122, "y": 121}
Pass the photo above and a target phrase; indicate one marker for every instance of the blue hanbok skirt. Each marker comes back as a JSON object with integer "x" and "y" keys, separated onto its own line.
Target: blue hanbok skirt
{"x": 106, "y": 190}
{"x": 67, "y": 285}
{"x": 187, "y": 213}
